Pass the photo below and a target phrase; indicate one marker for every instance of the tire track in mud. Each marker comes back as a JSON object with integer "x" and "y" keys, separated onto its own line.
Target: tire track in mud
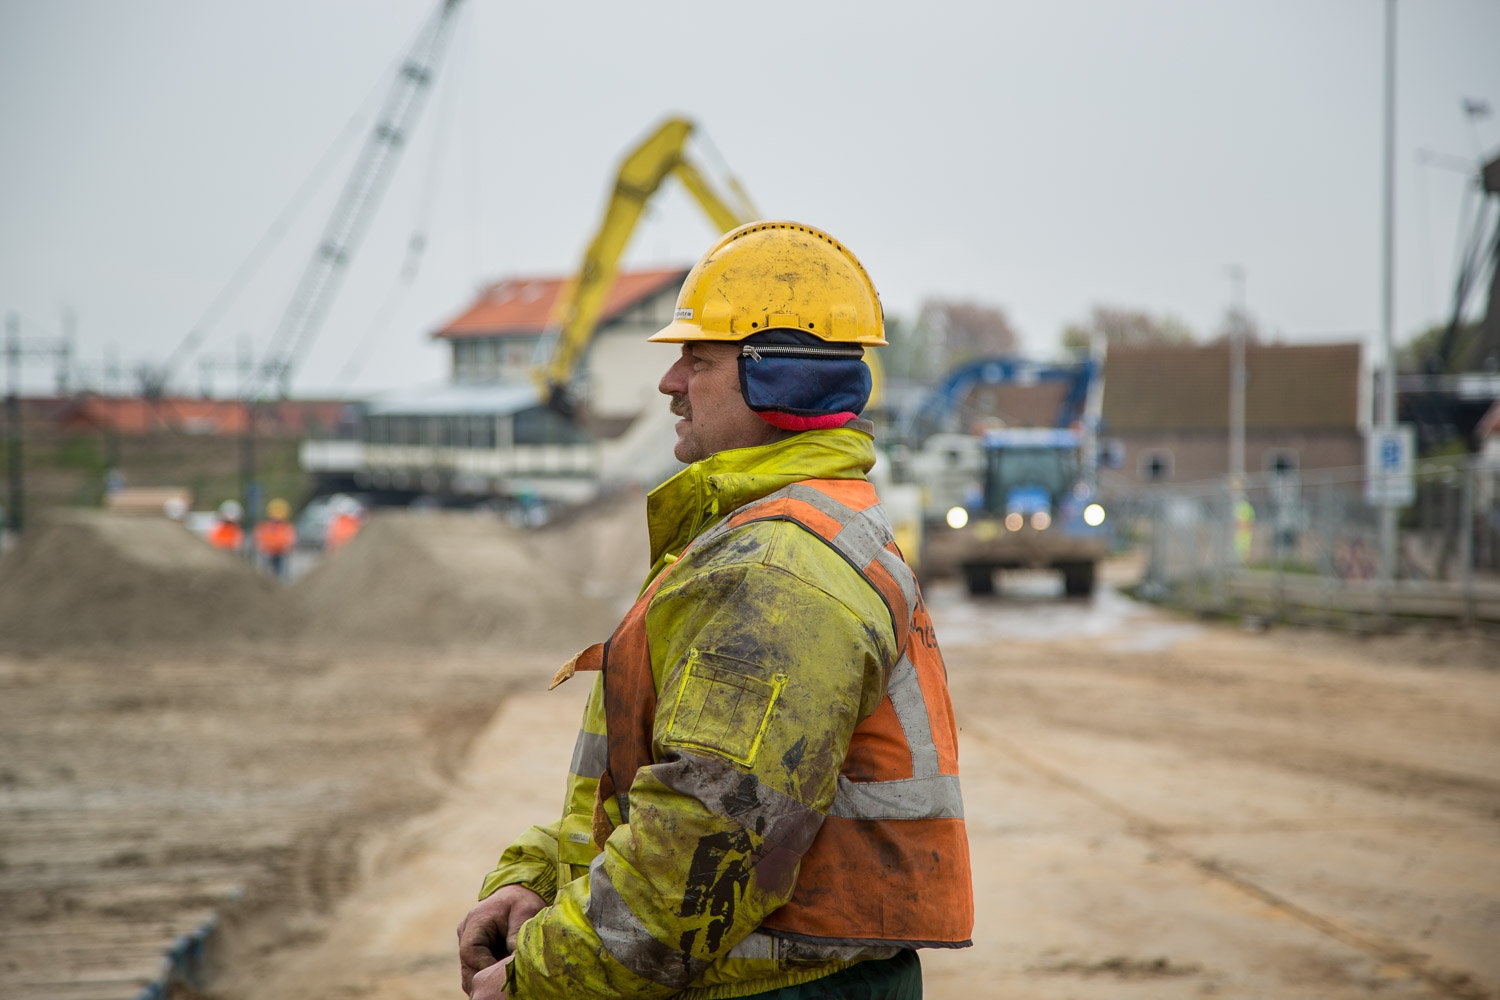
{"x": 1454, "y": 985}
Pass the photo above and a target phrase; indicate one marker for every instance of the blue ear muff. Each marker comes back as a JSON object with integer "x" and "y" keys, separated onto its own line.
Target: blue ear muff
{"x": 788, "y": 371}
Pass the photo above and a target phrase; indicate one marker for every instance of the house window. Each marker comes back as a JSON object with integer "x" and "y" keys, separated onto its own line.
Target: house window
{"x": 486, "y": 351}
{"x": 1156, "y": 466}
{"x": 540, "y": 425}
{"x": 1281, "y": 463}
{"x": 378, "y": 430}
{"x": 481, "y": 431}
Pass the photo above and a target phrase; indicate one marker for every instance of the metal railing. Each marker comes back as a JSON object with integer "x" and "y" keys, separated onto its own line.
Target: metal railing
{"x": 1305, "y": 547}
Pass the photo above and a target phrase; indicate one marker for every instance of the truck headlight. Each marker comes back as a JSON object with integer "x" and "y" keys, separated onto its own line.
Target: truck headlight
{"x": 957, "y": 517}
{"x": 1013, "y": 521}
{"x": 1041, "y": 520}
{"x": 1093, "y": 515}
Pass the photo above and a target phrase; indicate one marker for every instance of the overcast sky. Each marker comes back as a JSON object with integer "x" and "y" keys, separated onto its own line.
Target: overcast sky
{"x": 1042, "y": 157}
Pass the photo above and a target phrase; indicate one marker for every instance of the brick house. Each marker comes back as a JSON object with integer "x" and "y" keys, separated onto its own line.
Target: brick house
{"x": 1168, "y": 408}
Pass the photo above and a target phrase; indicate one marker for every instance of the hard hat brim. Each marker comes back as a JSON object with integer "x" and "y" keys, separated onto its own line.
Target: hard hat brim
{"x": 680, "y": 331}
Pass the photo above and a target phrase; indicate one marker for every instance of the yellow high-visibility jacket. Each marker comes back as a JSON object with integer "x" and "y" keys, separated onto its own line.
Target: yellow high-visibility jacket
{"x": 767, "y": 648}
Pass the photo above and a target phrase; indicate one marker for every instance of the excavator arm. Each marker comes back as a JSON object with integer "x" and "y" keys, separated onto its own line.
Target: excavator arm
{"x": 578, "y": 308}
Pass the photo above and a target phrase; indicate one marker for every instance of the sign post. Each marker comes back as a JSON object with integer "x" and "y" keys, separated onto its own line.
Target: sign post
{"x": 1390, "y": 466}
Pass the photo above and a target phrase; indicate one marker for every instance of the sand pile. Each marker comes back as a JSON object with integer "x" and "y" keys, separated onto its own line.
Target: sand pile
{"x": 604, "y": 546}
{"x": 91, "y": 577}
{"x": 435, "y": 579}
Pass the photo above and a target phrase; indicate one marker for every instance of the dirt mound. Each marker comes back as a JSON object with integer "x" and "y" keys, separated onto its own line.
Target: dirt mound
{"x": 436, "y": 579}
{"x": 93, "y": 577}
{"x": 604, "y": 546}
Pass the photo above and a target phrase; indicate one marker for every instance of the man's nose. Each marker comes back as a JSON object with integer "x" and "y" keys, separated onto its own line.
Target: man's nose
{"x": 674, "y": 382}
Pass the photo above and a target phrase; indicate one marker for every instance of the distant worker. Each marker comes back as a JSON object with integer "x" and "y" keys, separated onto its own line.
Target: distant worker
{"x": 275, "y": 537}
{"x": 344, "y": 524}
{"x": 1244, "y": 528}
{"x": 764, "y": 796}
{"x": 226, "y": 532}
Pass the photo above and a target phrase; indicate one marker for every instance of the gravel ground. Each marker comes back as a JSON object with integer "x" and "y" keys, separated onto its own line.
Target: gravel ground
{"x": 1158, "y": 808}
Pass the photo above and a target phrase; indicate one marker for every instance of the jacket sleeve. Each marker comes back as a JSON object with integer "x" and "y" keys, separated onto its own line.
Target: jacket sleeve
{"x": 763, "y": 668}
{"x": 530, "y": 861}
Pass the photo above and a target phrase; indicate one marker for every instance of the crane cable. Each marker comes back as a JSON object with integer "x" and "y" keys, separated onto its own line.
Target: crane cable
{"x": 278, "y": 229}
{"x": 417, "y": 242}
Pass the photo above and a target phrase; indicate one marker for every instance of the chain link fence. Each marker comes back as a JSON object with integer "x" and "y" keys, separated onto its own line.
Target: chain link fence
{"x": 1305, "y": 547}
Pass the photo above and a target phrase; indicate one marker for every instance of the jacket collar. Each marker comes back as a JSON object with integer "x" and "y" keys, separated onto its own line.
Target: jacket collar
{"x": 681, "y": 507}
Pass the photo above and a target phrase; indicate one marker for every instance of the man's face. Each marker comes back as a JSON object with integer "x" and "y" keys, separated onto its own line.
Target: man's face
{"x": 704, "y": 384}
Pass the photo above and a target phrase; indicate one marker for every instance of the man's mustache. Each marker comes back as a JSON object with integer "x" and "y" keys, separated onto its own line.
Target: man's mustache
{"x": 680, "y": 406}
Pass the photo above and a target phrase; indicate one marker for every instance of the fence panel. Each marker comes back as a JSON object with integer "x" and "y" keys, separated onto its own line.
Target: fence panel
{"x": 1306, "y": 547}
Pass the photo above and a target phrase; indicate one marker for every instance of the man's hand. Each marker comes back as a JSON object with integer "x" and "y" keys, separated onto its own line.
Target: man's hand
{"x": 489, "y": 984}
{"x": 489, "y": 933}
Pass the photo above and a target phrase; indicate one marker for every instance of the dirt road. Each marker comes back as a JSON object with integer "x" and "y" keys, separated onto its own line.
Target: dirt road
{"x": 1158, "y": 808}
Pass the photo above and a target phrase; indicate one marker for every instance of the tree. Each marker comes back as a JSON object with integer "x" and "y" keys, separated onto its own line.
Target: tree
{"x": 959, "y": 330}
{"x": 1131, "y": 327}
{"x": 1235, "y": 320}
{"x": 907, "y": 355}
{"x": 1419, "y": 354}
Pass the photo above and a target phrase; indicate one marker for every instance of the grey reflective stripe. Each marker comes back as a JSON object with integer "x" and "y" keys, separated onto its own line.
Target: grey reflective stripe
{"x": 902, "y": 574}
{"x": 865, "y": 536}
{"x": 756, "y": 944}
{"x": 624, "y": 936}
{"x": 760, "y": 945}
{"x": 936, "y": 796}
{"x": 841, "y": 513}
{"x": 905, "y": 692}
{"x": 738, "y": 796}
{"x": 590, "y": 755}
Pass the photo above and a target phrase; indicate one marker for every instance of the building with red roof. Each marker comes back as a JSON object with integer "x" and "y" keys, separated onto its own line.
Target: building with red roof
{"x": 497, "y": 338}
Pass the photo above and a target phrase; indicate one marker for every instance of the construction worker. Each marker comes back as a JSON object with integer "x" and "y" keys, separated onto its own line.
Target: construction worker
{"x": 226, "y": 532}
{"x": 763, "y": 799}
{"x": 344, "y": 524}
{"x": 275, "y": 537}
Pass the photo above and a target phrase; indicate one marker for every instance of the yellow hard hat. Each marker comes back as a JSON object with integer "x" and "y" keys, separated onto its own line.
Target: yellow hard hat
{"x": 772, "y": 276}
{"x": 278, "y": 508}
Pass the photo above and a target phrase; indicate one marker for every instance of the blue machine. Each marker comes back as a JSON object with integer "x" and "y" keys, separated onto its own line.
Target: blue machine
{"x": 1033, "y": 502}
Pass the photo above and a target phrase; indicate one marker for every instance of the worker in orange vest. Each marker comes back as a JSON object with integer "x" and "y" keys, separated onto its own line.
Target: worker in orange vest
{"x": 344, "y": 524}
{"x": 226, "y": 533}
{"x": 275, "y": 536}
{"x": 764, "y": 797}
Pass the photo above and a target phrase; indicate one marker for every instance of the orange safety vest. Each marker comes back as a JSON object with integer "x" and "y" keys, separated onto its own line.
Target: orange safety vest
{"x": 275, "y": 538}
{"x": 890, "y": 864}
{"x": 340, "y": 530}
{"x": 226, "y": 535}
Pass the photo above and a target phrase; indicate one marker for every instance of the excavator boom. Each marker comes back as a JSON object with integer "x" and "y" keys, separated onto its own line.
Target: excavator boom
{"x": 641, "y": 173}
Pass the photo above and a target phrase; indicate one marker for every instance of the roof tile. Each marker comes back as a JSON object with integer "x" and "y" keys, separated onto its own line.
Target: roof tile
{"x": 521, "y": 306}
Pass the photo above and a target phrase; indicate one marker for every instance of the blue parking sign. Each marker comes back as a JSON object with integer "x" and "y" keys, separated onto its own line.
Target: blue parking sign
{"x": 1390, "y": 455}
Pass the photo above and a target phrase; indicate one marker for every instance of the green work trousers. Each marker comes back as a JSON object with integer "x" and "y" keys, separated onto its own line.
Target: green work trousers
{"x": 898, "y": 978}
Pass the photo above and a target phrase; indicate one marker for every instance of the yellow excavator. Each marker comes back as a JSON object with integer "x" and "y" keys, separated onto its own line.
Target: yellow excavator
{"x": 576, "y": 315}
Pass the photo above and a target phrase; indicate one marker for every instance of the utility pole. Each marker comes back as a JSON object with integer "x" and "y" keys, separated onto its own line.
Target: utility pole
{"x": 13, "y": 508}
{"x": 65, "y": 353}
{"x": 1237, "y": 385}
{"x": 249, "y": 485}
{"x": 1387, "y": 291}
{"x": 15, "y": 352}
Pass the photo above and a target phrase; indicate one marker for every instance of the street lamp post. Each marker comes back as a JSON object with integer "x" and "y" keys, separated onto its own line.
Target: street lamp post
{"x": 1237, "y": 384}
{"x": 1388, "y": 373}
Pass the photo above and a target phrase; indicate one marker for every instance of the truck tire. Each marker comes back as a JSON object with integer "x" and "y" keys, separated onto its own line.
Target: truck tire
{"x": 980, "y": 580}
{"x": 1078, "y": 579}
